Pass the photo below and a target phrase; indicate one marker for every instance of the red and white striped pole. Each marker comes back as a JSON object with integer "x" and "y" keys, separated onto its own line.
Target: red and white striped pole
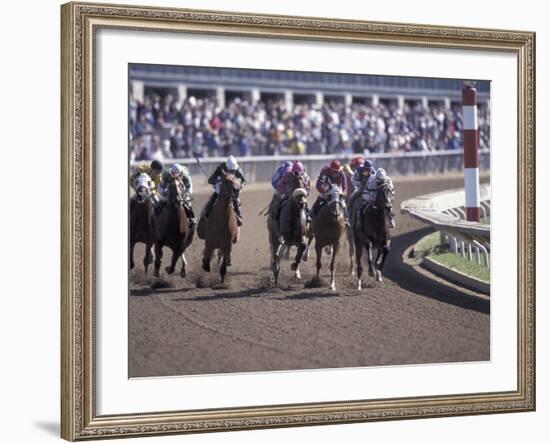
{"x": 471, "y": 156}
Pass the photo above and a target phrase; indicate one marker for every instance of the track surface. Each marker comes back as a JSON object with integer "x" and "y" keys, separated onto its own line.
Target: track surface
{"x": 196, "y": 326}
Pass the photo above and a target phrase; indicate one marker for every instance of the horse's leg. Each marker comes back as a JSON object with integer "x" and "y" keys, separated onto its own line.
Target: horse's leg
{"x": 358, "y": 259}
{"x": 372, "y": 267}
{"x": 351, "y": 246}
{"x": 385, "y": 251}
{"x": 183, "y": 271}
{"x": 147, "y": 258}
{"x": 276, "y": 261}
{"x": 334, "y": 248}
{"x": 306, "y": 252}
{"x": 158, "y": 257}
{"x": 175, "y": 257}
{"x": 206, "y": 257}
{"x": 296, "y": 265}
{"x": 132, "y": 244}
{"x": 225, "y": 260}
{"x": 319, "y": 251}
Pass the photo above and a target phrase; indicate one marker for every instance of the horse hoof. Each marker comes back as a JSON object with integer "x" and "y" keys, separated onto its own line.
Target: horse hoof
{"x": 156, "y": 273}
{"x": 132, "y": 266}
{"x": 169, "y": 270}
{"x": 298, "y": 275}
{"x": 293, "y": 266}
{"x": 333, "y": 287}
{"x": 379, "y": 276}
{"x": 206, "y": 267}
{"x": 359, "y": 285}
{"x": 183, "y": 274}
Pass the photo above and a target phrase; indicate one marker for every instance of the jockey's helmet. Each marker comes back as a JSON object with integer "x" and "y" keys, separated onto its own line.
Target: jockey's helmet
{"x": 357, "y": 161}
{"x": 156, "y": 165}
{"x": 231, "y": 164}
{"x": 298, "y": 167}
{"x": 177, "y": 170}
{"x": 335, "y": 166}
{"x": 381, "y": 175}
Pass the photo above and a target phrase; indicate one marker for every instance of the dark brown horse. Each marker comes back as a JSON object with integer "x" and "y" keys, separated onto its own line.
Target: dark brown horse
{"x": 173, "y": 228}
{"x": 329, "y": 226}
{"x": 220, "y": 229}
{"x": 372, "y": 231}
{"x": 141, "y": 224}
{"x": 291, "y": 228}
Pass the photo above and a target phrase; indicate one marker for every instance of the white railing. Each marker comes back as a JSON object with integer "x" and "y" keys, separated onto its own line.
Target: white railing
{"x": 261, "y": 168}
{"x": 445, "y": 212}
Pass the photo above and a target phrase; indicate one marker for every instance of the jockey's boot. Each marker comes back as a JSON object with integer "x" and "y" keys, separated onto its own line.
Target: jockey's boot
{"x": 237, "y": 207}
{"x": 209, "y": 204}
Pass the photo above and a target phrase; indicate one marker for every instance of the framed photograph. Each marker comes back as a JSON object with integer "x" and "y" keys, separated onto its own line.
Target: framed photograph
{"x": 277, "y": 221}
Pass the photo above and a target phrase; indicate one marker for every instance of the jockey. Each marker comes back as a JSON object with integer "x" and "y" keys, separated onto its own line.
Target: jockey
{"x": 280, "y": 172}
{"x": 330, "y": 175}
{"x": 181, "y": 173}
{"x": 380, "y": 178}
{"x": 229, "y": 166}
{"x": 154, "y": 171}
{"x": 360, "y": 178}
{"x": 283, "y": 190}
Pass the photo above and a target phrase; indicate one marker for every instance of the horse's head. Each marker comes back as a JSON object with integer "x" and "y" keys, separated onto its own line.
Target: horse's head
{"x": 334, "y": 196}
{"x": 383, "y": 198}
{"x": 142, "y": 194}
{"x": 299, "y": 195}
{"x": 143, "y": 188}
{"x": 176, "y": 192}
{"x": 297, "y": 181}
{"x": 230, "y": 186}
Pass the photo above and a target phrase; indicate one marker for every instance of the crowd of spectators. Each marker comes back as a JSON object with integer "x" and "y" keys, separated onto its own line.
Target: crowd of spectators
{"x": 164, "y": 127}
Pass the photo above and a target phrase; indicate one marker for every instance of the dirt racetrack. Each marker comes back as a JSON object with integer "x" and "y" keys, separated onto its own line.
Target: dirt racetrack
{"x": 196, "y": 326}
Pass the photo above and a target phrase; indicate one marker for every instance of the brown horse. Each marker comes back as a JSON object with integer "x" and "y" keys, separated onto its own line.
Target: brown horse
{"x": 173, "y": 228}
{"x": 291, "y": 228}
{"x": 141, "y": 224}
{"x": 220, "y": 229}
{"x": 329, "y": 226}
{"x": 372, "y": 231}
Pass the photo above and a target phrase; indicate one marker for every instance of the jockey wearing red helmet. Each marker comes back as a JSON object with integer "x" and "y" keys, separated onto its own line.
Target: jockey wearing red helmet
{"x": 357, "y": 161}
{"x": 330, "y": 175}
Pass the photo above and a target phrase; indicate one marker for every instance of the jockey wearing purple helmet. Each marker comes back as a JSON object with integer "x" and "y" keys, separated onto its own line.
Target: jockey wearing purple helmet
{"x": 297, "y": 169}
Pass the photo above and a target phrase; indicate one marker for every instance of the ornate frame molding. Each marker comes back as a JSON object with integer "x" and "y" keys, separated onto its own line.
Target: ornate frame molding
{"x": 79, "y": 22}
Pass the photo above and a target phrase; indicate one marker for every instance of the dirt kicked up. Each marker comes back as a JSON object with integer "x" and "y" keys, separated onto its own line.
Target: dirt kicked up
{"x": 197, "y": 326}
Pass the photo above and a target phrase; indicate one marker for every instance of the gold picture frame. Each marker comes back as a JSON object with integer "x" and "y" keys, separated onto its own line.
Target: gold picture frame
{"x": 79, "y": 22}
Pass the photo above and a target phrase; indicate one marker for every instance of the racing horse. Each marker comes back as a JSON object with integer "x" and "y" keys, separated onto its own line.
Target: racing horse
{"x": 173, "y": 228}
{"x": 220, "y": 230}
{"x": 372, "y": 231}
{"x": 141, "y": 220}
{"x": 290, "y": 229}
{"x": 328, "y": 228}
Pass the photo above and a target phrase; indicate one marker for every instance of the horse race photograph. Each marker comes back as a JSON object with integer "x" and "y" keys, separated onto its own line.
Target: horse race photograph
{"x": 291, "y": 220}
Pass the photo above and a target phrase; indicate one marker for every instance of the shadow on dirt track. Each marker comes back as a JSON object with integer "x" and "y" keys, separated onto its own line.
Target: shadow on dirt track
{"x": 410, "y": 280}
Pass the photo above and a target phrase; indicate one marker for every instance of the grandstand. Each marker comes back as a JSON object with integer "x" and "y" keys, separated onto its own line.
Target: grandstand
{"x": 186, "y": 111}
